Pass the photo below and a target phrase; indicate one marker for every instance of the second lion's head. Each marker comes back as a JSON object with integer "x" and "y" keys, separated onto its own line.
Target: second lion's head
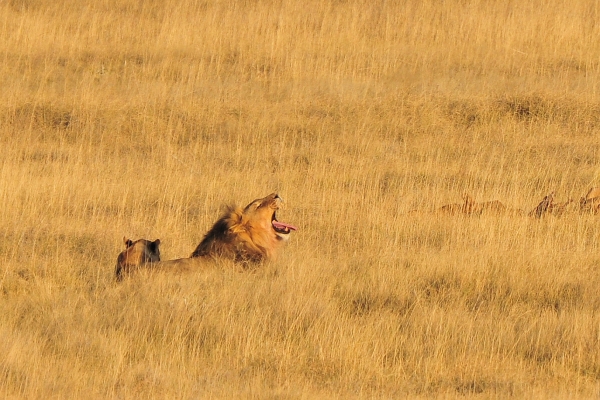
{"x": 252, "y": 233}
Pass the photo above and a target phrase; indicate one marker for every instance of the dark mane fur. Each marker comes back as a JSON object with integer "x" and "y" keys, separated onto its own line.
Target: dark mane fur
{"x": 221, "y": 241}
{"x": 213, "y": 238}
{"x": 245, "y": 235}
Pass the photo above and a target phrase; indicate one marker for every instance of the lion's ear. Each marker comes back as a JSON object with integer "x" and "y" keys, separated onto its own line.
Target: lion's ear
{"x": 154, "y": 245}
{"x": 127, "y": 242}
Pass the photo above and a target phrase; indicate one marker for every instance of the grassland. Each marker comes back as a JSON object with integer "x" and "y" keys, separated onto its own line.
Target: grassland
{"x": 144, "y": 118}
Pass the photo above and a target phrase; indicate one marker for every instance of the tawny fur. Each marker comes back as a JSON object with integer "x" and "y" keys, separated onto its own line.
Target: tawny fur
{"x": 466, "y": 207}
{"x": 245, "y": 236}
{"x": 558, "y": 209}
{"x": 136, "y": 254}
{"x": 471, "y": 207}
{"x": 542, "y": 208}
{"x": 548, "y": 207}
{"x": 591, "y": 202}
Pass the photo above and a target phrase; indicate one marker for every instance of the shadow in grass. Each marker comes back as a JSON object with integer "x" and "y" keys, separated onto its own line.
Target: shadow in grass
{"x": 361, "y": 303}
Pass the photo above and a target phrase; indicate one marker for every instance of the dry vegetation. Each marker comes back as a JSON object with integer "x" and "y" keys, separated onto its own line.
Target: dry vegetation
{"x": 142, "y": 118}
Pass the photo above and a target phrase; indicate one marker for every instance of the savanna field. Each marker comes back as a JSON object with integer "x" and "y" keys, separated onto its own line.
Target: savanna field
{"x": 144, "y": 118}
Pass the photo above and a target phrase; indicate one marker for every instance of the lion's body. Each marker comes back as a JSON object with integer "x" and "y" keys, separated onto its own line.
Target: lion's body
{"x": 493, "y": 207}
{"x": 591, "y": 202}
{"x": 540, "y": 210}
{"x": 452, "y": 209}
{"x": 471, "y": 207}
{"x": 459, "y": 208}
{"x": 135, "y": 255}
{"x": 243, "y": 235}
{"x": 548, "y": 207}
{"x": 559, "y": 209}
{"x": 181, "y": 264}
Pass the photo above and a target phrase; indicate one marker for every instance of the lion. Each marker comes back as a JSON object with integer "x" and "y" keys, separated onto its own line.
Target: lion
{"x": 471, "y": 207}
{"x": 560, "y": 208}
{"x": 495, "y": 207}
{"x": 251, "y": 234}
{"x": 136, "y": 254}
{"x": 542, "y": 208}
{"x": 459, "y": 208}
{"x": 591, "y": 202}
{"x": 246, "y": 236}
{"x": 548, "y": 207}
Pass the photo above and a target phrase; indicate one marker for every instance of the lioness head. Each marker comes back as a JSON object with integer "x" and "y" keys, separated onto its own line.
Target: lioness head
{"x": 136, "y": 253}
{"x": 252, "y": 233}
{"x": 546, "y": 204}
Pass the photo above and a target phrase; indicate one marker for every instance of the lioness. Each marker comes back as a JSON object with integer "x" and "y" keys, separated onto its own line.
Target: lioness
{"x": 136, "y": 254}
{"x": 245, "y": 235}
{"x": 591, "y": 202}
{"x": 459, "y": 208}
{"x": 471, "y": 207}
{"x": 560, "y": 208}
{"x": 548, "y": 207}
{"x": 542, "y": 208}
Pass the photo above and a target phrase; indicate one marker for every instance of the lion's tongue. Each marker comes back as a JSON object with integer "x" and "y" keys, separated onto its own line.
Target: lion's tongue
{"x": 283, "y": 226}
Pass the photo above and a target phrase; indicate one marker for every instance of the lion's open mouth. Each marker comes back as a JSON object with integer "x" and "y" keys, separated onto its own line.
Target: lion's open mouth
{"x": 281, "y": 227}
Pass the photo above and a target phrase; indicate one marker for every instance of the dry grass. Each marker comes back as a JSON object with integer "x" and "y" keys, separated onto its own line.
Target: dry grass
{"x": 143, "y": 118}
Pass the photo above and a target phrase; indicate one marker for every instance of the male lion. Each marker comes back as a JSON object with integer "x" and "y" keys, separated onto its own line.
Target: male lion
{"x": 250, "y": 234}
{"x": 136, "y": 254}
{"x": 244, "y": 235}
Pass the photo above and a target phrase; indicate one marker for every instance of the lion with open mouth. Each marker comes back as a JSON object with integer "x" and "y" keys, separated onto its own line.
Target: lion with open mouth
{"x": 250, "y": 234}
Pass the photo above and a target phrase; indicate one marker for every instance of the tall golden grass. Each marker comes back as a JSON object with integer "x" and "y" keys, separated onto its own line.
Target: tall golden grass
{"x": 143, "y": 118}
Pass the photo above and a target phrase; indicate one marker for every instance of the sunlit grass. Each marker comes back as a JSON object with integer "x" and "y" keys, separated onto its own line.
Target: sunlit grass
{"x": 142, "y": 119}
